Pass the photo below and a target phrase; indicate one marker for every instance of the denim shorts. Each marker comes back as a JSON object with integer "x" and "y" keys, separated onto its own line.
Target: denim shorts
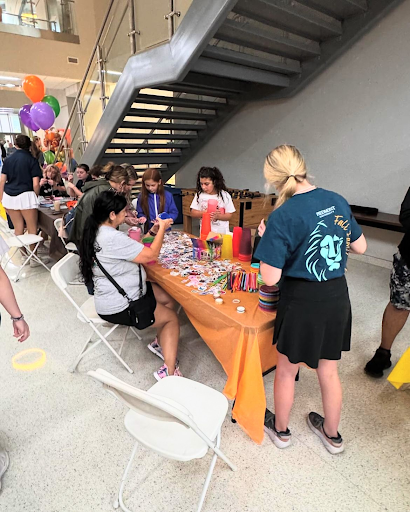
{"x": 400, "y": 283}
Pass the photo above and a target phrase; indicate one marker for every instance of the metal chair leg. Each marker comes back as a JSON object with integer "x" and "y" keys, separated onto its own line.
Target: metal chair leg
{"x": 119, "y": 501}
{"x": 209, "y": 475}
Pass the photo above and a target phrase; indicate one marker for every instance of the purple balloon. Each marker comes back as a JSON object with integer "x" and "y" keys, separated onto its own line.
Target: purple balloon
{"x": 25, "y": 116}
{"x": 43, "y": 115}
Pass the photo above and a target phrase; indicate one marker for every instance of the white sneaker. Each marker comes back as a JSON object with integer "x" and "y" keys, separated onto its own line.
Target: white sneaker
{"x": 4, "y": 463}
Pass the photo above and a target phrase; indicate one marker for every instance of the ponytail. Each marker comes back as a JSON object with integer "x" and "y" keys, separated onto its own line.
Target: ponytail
{"x": 284, "y": 168}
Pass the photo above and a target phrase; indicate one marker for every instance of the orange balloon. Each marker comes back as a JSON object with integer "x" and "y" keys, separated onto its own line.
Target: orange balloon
{"x": 59, "y": 164}
{"x": 34, "y": 88}
{"x": 50, "y": 135}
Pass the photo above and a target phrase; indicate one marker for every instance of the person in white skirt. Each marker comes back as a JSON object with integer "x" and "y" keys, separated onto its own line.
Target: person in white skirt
{"x": 19, "y": 188}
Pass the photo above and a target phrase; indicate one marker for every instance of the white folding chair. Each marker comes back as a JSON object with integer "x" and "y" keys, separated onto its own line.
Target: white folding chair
{"x": 21, "y": 242}
{"x": 70, "y": 246}
{"x": 177, "y": 418}
{"x": 63, "y": 273}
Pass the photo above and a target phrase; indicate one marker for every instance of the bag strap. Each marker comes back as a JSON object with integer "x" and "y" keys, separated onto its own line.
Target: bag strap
{"x": 114, "y": 282}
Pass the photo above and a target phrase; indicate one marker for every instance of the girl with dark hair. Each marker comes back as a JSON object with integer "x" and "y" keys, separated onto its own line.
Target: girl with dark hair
{"x": 19, "y": 188}
{"x": 123, "y": 259}
{"x": 210, "y": 184}
{"x": 154, "y": 199}
{"x": 37, "y": 152}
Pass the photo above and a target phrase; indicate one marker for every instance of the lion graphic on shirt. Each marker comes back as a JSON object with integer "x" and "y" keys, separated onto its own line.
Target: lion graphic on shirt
{"x": 323, "y": 246}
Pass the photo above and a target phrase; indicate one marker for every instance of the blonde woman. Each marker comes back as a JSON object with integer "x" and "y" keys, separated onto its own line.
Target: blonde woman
{"x": 306, "y": 242}
{"x": 51, "y": 184}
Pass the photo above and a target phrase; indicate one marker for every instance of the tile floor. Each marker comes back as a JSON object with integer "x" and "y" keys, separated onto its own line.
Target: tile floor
{"x": 68, "y": 445}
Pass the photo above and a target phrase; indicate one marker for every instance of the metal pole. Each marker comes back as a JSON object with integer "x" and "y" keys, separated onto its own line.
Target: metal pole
{"x": 132, "y": 32}
{"x": 101, "y": 76}
{"x": 80, "y": 113}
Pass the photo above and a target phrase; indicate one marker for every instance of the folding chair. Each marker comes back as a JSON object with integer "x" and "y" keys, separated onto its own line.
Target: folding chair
{"x": 70, "y": 246}
{"x": 177, "y": 418}
{"x": 21, "y": 242}
{"x": 62, "y": 273}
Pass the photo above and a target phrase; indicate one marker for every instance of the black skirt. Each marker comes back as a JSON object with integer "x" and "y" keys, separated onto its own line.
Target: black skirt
{"x": 314, "y": 320}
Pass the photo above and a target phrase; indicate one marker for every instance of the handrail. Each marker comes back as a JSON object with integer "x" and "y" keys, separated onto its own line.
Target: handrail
{"x": 80, "y": 89}
{"x": 29, "y": 21}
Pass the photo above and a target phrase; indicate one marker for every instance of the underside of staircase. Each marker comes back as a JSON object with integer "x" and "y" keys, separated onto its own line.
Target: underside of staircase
{"x": 170, "y": 100}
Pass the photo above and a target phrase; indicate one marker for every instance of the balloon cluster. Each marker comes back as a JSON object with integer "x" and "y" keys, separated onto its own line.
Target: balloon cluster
{"x": 51, "y": 143}
{"x": 45, "y": 108}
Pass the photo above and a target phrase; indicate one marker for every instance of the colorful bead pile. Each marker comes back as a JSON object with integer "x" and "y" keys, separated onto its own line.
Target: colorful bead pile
{"x": 268, "y": 297}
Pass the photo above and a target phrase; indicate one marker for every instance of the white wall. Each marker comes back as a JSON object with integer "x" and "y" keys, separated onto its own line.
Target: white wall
{"x": 352, "y": 123}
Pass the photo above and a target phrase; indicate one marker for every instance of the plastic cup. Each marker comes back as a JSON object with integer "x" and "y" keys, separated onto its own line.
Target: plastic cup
{"x": 205, "y": 225}
{"x": 57, "y": 206}
{"x": 212, "y": 205}
{"x": 227, "y": 252}
{"x": 135, "y": 233}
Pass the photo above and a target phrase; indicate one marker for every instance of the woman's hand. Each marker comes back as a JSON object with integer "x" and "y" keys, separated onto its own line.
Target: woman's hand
{"x": 69, "y": 185}
{"x": 50, "y": 182}
{"x": 142, "y": 220}
{"x": 215, "y": 216}
{"x": 21, "y": 330}
{"x": 43, "y": 181}
{"x": 262, "y": 228}
{"x": 71, "y": 178}
{"x": 165, "y": 223}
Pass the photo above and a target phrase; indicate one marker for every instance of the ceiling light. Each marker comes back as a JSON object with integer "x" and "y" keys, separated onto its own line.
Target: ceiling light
{"x": 9, "y": 78}
{"x": 10, "y": 85}
{"x": 118, "y": 73}
{"x": 94, "y": 82}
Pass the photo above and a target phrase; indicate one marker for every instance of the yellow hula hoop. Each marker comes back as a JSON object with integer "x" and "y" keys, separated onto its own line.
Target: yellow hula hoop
{"x": 26, "y": 367}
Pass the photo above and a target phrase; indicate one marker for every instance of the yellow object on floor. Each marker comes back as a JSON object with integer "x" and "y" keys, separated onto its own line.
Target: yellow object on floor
{"x": 3, "y": 212}
{"x": 401, "y": 372}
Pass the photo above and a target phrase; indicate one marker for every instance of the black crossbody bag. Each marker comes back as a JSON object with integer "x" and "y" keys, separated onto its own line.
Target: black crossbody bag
{"x": 140, "y": 312}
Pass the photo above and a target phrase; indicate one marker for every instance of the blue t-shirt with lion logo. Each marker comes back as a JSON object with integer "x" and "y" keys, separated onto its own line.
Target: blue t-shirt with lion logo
{"x": 309, "y": 236}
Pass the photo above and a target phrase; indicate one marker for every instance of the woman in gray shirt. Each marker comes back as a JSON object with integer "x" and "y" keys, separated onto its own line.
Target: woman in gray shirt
{"x": 123, "y": 259}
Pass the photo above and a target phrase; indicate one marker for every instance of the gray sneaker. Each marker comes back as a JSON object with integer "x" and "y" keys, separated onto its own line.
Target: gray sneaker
{"x": 4, "y": 463}
{"x": 333, "y": 445}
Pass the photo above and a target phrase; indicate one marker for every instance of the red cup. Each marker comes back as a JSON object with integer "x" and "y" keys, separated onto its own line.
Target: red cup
{"x": 212, "y": 205}
{"x": 205, "y": 225}
{"x": 135, "y": 234}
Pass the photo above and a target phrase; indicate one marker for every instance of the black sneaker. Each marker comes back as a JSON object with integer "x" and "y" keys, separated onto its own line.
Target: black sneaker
{"x": 333, "y": 445}
{"x": 279, "y": 439}
{"x": 379, "y": 362}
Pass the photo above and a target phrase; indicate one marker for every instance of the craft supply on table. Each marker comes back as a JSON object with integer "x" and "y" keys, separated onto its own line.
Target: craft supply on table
{"x": 227, "y": 252}
{"x": 236, "y": 241}
{"x": 219, "y": 301}
{"x": 240, "y": 309}
{"x": 268, "y": 297}
{"x": 205, "y": 225}
{"x": 245, "y": 247}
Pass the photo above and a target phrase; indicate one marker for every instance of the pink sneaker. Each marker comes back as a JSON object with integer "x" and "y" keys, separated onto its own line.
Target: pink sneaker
{"x": 163, "y": 372}
{"x": 155, "y": 348}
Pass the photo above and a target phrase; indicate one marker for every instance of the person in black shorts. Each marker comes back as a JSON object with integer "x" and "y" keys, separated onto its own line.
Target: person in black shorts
{"x": 398, "y": 309}
{"x": 306, "y": 242}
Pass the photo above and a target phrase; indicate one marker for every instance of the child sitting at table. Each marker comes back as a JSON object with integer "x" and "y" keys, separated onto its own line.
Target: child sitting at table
{"x": 51, "y": 184}
{"x": 210, "y": 184}
{"x": 154, "y": 199}
{"x": 83, "y": 176}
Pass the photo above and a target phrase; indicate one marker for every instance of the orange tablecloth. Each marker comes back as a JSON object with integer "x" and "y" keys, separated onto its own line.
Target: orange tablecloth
{"x": 242, "y": 343}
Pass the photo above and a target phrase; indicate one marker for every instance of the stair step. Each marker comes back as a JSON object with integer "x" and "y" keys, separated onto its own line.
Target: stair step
{"x": 246, "y": 35}
{"x": 170, "y": 114}
{"x": 151, "y": 99}
{"x": 163, "y": 126}
{"x": 290, "y": 16}
{"x": 253, "y": 61}
{"x": 142, "y": 158}
{"x": 197, "y": 90}
{"x": 155, "y": 136}
{"x": 219, "y": 68}
{"x": 171, "y": 145}
{"x": 218, "y": 83}
{"x": 338, "y": 9}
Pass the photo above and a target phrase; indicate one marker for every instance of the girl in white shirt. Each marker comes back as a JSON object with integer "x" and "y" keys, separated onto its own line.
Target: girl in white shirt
{"x": 211, "y": 185}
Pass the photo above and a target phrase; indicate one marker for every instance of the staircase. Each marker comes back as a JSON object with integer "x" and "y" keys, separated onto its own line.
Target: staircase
{"x": 171, "y": 99}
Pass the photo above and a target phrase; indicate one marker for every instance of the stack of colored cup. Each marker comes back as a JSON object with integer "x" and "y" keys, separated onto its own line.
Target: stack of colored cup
{"x": 227, "y": 252}
{"x": 236, "y": 241}
{"x": 268, "y": 297}
{"x": 245, "y": 248}
{"x": 205, "y": 225}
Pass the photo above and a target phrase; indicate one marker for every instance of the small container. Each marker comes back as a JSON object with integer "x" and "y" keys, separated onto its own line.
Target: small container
{"x": 135, "y": 233}
{"x": 240, "y": 309}
{"x": 57, "y": 206}
{"x": 219, "y": 301}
